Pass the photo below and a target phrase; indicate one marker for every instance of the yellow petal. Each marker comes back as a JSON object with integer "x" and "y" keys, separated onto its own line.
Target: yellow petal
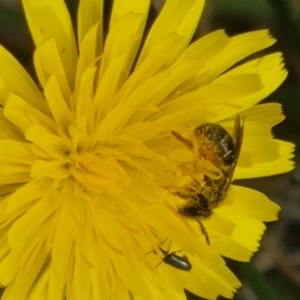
{"x": 85, "y": 93}
{"x": 240, "y": 47}
{"x": 18, "y": 177}
{"x": 107, "y": 88}
{"x": 84, "y": 109}
{"x": 271, "y": 71}
{"x": 59, "y": 169}
{"x": 81, "y": 279}
{"x": 8, "y": 130}
{"x": 252, "y": 204}
{"x": 60, "y": 110}
{"x": 89, "y": 14}
{"x": 150, "y": 93}
{"x": 13, "y": 78}
{"x": 30, "y": 270}
{"x": 227, "y": 247}
{"x": 33, "y": 220}
{"x": 16, "y": 152}
{"x": 182, "y": 73}
{"x": 40, "y": 288}
{"x": 154, "y": 63}
{"x": 9, "y": 266}
{"x": 89, "y": 53}
{"x": 52, "y": 144}
{"x": 268, "y": 113}
{"x": 269, "y": 158}
{"x": 48, "y": 62}
{"x": 50, "y": 19}
{"x": 23, "y": 115}
{"x": 10, "y": 169}
{"x": 31, "y": 191}
{"x": 125, "y": 34}
{"x": 9, "y": 188}
{"x": 176, "y": 17}
{"x": 61, "y": 266}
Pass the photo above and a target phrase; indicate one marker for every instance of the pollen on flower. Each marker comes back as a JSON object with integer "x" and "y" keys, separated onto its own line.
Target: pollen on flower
{"x": 120, "y": 147}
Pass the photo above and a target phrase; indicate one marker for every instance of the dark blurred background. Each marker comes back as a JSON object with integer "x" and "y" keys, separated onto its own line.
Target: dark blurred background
{"x": 274, "y": 273}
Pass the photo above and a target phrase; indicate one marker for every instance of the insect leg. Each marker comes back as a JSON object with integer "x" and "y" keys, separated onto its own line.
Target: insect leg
{"x": 159, "y": 263}
{"x": 169, "y": 246}
{"x": 163, "y": 242}
{"x": 150, "y": 252}
{"x": 158, "y": 246}
{"x": 204, "y": 232}
{"x": 165, "y": 253}
{"x": 182, "y": 139}
{"x": 173, "y": 252}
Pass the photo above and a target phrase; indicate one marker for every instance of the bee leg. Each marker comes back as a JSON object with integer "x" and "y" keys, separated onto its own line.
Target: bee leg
{"x": 204, "y": 232}
{"x": 182, "y": 139}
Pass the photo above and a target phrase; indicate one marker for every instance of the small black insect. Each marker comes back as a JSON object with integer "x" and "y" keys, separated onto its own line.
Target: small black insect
{"x": 171, "y": 258}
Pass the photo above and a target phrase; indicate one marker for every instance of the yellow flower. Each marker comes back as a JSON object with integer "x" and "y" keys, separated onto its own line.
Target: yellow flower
{"x": 88, "y": 160}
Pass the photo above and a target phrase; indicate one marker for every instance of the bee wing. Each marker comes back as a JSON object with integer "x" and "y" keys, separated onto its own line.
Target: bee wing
{"x": 238, "y": 133}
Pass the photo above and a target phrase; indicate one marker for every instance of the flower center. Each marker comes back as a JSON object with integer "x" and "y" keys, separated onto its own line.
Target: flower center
{"x": 96, "y": 165}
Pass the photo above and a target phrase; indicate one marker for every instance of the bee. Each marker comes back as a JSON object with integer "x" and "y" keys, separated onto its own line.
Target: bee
{"x": 172, "y": 259}
{"x": 212, "y": 143}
